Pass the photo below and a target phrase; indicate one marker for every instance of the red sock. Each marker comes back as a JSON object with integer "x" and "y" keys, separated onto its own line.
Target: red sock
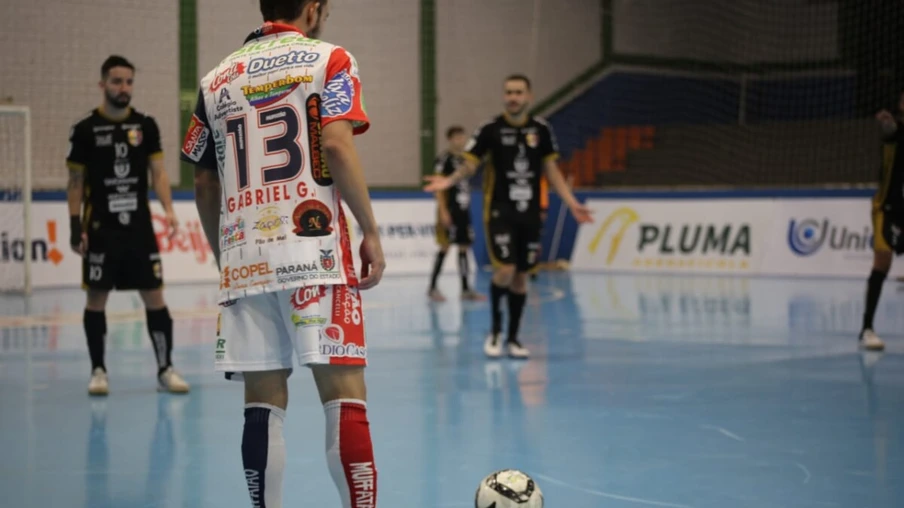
{"x": 350, "y": 454}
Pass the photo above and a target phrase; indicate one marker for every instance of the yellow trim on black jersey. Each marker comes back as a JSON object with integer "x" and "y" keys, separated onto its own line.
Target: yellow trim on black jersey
{"x": 551, "y": 157}
{"x": 471, "y": 157}
{"x": 489, "y": 188}
{"x": 889, "y": 151}
{"x": 75, "y": 166}
{"x": 156, "y": 155}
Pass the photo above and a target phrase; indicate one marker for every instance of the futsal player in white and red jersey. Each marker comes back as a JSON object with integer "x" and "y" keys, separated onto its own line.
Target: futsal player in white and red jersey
{"x": 272, "y": 142}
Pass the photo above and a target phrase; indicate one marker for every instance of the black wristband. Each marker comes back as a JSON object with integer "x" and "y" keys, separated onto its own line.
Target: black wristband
{"x": 75, "y": 230}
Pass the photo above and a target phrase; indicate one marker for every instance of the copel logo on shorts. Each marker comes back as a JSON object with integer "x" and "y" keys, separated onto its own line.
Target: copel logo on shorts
{"x": 236, "y": 278}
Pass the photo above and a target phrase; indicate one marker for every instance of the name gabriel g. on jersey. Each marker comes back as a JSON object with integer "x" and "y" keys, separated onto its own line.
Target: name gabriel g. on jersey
{"x": 258, "y": 122}
{"x": 115, "y": 155}
{"x": 516, "y": 155}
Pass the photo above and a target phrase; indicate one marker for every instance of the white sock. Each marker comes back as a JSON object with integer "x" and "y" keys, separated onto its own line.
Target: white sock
{"x": 264, "y": 454}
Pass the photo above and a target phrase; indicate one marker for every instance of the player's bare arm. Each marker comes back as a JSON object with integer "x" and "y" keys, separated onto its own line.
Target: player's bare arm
{"x": 75, "y": 190}
{"x": 439, "y": 183}
{"x": 345, "y": 167}
{"x": 207, "y": 199}
{"x": 161, "y": 183}
{"x": 581, "y": 213}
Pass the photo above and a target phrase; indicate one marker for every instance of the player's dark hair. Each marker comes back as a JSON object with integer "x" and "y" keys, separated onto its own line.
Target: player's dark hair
{"x": 114, "y": 61}
{"x": 273, "y": 10}
{"x": 455, "y": 129}
{"x": 519, "y": 77}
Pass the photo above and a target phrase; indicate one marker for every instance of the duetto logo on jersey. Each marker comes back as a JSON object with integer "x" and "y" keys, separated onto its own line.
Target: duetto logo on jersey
{"x": 297, "y": 58}
{"x": 259, "y": 96}
{"x": 674, "y": 245}
{"x": 13, "y": 250}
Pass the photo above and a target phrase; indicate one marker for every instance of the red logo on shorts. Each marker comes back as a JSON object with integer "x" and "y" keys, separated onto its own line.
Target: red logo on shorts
{"x": 304, "y": 297}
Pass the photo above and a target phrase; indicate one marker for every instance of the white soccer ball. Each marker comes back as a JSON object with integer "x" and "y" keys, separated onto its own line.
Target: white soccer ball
{"x": 508, "y": 488}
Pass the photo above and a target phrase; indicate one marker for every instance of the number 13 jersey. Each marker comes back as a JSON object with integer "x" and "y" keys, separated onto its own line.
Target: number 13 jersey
{"x": 258, "y": 123}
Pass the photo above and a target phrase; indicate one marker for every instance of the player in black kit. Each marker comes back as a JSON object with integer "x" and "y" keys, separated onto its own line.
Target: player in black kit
{"x": 110, "y": 153}
{"x": 518, "y": 148}
{"x": 888, "y": 217}
{"x": 453, "y": 217}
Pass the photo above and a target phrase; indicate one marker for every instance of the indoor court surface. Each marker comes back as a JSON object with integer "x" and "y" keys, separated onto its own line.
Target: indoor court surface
{"x": 643, "y": 391}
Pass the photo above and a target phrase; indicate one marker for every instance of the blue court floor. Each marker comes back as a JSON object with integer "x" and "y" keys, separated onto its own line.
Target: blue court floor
{"x": 644, "y": 391}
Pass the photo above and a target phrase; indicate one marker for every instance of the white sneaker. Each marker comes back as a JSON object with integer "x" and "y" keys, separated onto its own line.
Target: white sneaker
{"x": 870, "y": 341}
{"x": 492, "y": 346}
{"x": 516, "y": 350}
{"x": 98, "y": 384}
{"x": 171, "y": 381}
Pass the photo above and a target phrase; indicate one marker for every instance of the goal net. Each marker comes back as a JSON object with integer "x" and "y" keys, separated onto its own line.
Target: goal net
{"x": 16, "y": 246}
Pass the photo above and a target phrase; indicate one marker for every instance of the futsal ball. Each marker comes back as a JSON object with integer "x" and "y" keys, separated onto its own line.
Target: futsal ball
{"x": 508, "y": 488}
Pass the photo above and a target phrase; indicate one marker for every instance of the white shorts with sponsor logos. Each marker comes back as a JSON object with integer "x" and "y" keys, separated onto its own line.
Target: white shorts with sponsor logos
{"x": 316, "y": 324}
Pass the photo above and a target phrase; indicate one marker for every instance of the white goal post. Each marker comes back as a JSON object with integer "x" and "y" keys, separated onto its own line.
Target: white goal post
{"x": 16, "y": 250}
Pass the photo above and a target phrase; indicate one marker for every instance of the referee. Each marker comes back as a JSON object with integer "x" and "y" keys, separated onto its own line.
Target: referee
{"x": 111, "y": 151}
{"x": 519, "y": 149}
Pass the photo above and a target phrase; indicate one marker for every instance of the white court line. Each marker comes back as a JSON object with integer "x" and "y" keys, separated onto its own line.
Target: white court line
{"x": 724, "y": 432}
{"x": 806, "y": 472}
{"x": 608, "y": 495}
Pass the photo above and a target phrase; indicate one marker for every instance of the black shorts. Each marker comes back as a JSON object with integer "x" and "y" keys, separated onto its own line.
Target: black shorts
{"x": 513, "y": 240}
{"x": 461, "y": 232}
{"x": 888, "y": 231}
{"x": 122, "y": 260}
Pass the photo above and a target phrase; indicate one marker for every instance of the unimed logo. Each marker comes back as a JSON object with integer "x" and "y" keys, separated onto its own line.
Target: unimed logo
{"x": 807, "y": 236}
{"x": 41, "y": 249}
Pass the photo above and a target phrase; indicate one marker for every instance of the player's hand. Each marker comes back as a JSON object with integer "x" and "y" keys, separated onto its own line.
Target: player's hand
{"x": 82, "y": 247}
{"x": 445, "y": 219}
{"x": 372, "y": 262}
{"x": 173, "y": 222}
{"x": 885, "y": 117}
{"x": 581, "y": 213}
{"x": 436, "y": 183}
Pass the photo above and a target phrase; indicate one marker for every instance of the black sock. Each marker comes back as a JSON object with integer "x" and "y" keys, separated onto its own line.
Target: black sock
{"x": 873, "y": 291}
{"x": 496, "y": 294}
{"x": 437, "y": 266}
{"x": 95, "y": 323}
{"x": 463, "y": 268}
{"x": 160, "y": 328}
{"x": 516, "y": 308}
{"x": 263, "y": 453}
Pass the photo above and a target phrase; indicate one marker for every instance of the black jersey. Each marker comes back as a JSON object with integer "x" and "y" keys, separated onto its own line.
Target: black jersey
{"x": 516, "y": 156}
{"x": 115, "y": 155}
{"x": 458, "y": 197}
{"x": 890, "y": 195}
